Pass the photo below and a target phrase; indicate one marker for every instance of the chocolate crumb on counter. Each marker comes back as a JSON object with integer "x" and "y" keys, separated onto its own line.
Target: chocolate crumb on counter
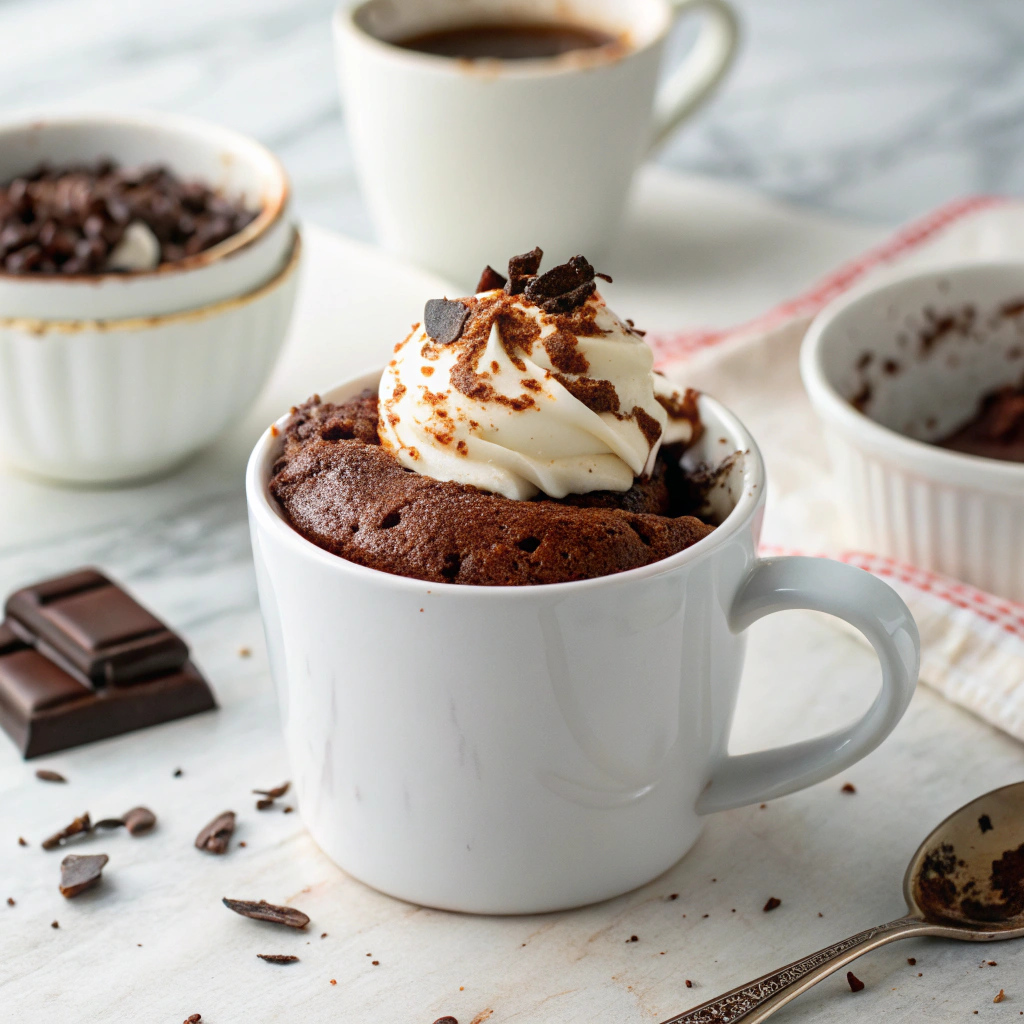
{"x": 912, "y": 961}
{"x": 673, "y": 896}
{"x": 376, "y": 963}
{"x": 689, "y": 984}
{"x": 54, "y": 924}
{"x": 214, "y": 838}
{"x": 78, "y": 826}
{"x": 48, "y": 776}
{"x": 264, "y": 911}
{"x": 772, "y": 903}
{"x": 10, "y": 901}
{"x": 80, "y": 873}
{"x": 177, "y": 773}
{"x": 277, "y": 958}
{"x": 139, "y": 821}
{"x": 244, "y": 652}
{"x": 273, "y": 794}
{"x": 632, "y": 938}
{"x": 855, "y": 983}
{"x": 194, "y": 1018}
{"x": 1000, "y": 996}
{"x": 448, "y": 1020}
{"x": 264, "y": 804}
{"x": 22, "y": 841}
{"x": 848, "y": 787}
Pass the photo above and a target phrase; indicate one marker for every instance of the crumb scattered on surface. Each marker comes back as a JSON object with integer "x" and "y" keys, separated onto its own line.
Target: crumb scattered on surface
{"x": 912, "y": 961}
{"x": 689, "y": 984}
{"x": 848, "y": 787}
{"x": 10, "y": 901}
{"x": 54, "y": 924}
{"x": 999, "y": 997}
{"x": 22, "y": 841}
{"x": 854, "y": 982}
{"x": 632, "y": 938}
{"x": 773, "y": 902}
{"x": 177, "y": 773}
{"x": 244, "y": 652}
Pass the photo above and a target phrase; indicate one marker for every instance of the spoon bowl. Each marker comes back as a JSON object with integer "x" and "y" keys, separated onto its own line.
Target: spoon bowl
{"x": 968, "y": 875}
{"x": 966, "y": 882}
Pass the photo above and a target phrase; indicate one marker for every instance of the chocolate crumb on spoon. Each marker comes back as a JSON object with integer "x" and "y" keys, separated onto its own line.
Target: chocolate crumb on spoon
{"x": 264, "y": 911}
{"x": 963, "y": 883}
{"x": 216, "y": 836}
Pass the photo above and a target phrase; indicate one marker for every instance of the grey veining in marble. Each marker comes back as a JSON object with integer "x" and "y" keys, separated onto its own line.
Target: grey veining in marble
{"x": 878, "y": 109}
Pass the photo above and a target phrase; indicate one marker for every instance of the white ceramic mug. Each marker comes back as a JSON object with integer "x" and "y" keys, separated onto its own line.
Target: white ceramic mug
{"x": 525, "y": 749}
{"x": 464, "y": 162}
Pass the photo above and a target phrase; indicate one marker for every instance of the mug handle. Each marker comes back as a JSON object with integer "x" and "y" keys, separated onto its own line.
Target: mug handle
{"x": 867, "y": 604}
{"x": 696, "y": 80}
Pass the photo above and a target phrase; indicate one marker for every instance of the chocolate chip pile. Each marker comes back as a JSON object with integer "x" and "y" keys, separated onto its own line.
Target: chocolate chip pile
{"x": 68, "y": 220}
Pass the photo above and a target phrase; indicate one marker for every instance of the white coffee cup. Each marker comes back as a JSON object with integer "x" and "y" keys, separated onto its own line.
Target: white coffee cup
{"x": 525, "y": 749}
{"x": 463, "y": 162}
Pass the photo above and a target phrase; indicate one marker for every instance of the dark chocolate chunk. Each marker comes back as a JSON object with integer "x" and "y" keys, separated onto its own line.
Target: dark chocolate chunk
{"x": 87, "y": 625}
{"x": 216, "y": 836}
{"x": 78, "y": 826}
{"x": 273, "y": 794}
{"x": 521, "y": 269}
{"x": 139, "y": 821}
{"x": 108, "y": 823}
{"x": 277, "y": 958}
{"x": 564, "y": 287}
{"x": 47, "y": 776}
{"x": 985, "y": 824}
{"x": 80, "y": 873}
{"x": 856, "y": 985}
{"x": 443, "y": 320}
{"x": 45, "y": 710}
{"x": 490, "y": 280}
{"x": 772, "y": 903}
{"x": 264, "y": 911}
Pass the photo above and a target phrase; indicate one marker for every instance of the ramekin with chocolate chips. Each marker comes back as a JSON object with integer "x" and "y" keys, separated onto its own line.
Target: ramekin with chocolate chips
{"x": 147, "y": 275}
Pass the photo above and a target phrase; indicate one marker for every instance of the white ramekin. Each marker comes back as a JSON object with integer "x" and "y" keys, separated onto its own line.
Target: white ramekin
{"x": 105, "y": 401}
{"x": 236, "y": 165}
{"x": 959, "y": 515}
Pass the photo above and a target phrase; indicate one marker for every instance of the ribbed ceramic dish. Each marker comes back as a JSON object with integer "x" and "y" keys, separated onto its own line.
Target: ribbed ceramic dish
{"x": 894, "y": 368}
{"x": 114, "y": 400}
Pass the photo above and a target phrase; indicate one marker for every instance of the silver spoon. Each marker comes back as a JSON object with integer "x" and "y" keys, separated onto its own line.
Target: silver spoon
{"x": 966, "y": 881}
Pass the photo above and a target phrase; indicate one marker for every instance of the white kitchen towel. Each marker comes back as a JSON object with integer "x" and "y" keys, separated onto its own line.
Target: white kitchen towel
{"x": 972, "y": 642}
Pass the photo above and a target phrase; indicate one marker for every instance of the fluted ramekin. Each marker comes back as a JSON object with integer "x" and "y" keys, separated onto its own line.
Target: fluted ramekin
{"x": 106, "y": 401}
{"x": 916, "y": 355}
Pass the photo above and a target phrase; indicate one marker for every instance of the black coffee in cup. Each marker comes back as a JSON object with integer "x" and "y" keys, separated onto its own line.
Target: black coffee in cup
{"x": 512, "y": 40}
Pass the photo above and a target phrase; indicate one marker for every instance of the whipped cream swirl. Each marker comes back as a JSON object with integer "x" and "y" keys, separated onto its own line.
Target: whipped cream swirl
{"x": 525, "y": 400}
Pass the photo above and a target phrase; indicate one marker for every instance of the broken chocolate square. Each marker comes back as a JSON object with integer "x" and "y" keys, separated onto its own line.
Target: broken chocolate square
{"x": 94, "y": 630}
{"x": 99, "y": 665}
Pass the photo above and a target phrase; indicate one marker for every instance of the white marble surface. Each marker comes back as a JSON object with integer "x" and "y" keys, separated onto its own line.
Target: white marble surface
{"x": 154, "y": 943}
{"x": 878, "y": 109}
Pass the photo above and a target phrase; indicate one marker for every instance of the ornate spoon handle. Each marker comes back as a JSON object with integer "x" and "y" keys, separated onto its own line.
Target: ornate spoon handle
{"x": 759, "y": 999}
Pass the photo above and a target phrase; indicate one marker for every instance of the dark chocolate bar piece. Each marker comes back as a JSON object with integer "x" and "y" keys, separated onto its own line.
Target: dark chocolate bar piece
{"x": 94, "y": 630}
{"x": 44, "y": 709}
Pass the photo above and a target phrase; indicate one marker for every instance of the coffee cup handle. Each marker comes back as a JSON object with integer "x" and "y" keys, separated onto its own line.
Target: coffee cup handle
{"x": 867, "y": 604}
{"x": 704, "y": 68}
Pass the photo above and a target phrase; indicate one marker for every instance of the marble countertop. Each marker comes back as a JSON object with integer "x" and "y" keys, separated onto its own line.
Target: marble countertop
{"x": 865, "y": 114}
{"x": 869, "y": 110}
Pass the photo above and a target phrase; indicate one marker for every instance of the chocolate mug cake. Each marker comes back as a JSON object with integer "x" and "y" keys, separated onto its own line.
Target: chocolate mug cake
{"x": 519, "y": 436}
